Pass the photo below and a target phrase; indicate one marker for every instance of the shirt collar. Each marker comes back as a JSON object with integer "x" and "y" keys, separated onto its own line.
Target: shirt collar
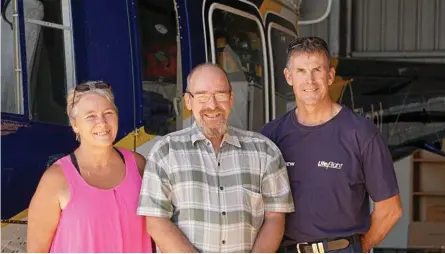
{"x": 229, "y": 137}
{"x": 196, "y": 134}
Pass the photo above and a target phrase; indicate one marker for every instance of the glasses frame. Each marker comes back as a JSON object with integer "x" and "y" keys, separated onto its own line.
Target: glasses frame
{"x": 211, "y": 95}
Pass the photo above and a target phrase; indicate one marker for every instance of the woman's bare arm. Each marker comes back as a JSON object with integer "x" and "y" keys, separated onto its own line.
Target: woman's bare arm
{"x": 44, "y": 210}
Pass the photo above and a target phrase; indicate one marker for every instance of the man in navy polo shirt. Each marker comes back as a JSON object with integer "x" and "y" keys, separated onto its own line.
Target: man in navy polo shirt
{"x": 336, "y": 160}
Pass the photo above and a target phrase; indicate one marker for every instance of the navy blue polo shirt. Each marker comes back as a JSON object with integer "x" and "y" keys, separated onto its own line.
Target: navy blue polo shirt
{"x": 333, "y": 170}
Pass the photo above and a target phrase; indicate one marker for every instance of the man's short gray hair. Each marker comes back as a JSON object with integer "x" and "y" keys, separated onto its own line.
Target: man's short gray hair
{"x": 308, "y": 45}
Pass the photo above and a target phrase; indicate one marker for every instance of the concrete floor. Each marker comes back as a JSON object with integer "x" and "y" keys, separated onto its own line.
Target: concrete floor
{"x": 14, "y": 238}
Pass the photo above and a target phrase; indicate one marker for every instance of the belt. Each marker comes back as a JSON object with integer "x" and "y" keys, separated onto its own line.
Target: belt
{"x": 319, "y": 246}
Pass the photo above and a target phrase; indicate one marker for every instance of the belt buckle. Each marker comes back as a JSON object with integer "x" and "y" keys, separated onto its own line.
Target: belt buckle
{"x": 298, "y": 247}
{"x": 316, "y": 247}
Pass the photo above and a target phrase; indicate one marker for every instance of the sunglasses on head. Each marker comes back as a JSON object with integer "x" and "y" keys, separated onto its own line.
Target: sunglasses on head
{"x": 88, "y": 86}
{"x": 91, "y": 85}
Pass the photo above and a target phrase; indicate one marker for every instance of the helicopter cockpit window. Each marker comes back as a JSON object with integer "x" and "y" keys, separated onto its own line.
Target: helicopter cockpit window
{"x": 47, "y": 78}
{"x": 157, "y": 30}
{"x": 284, "y": 97}
{"x": 158, "y": 45}
{"x": 238, "y": 45}
{"x": 11, "y": 92}
{"x": 49, "y": 61}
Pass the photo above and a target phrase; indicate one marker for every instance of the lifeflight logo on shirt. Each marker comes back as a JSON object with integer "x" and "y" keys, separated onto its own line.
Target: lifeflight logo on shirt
{"x": 330, "y": 164}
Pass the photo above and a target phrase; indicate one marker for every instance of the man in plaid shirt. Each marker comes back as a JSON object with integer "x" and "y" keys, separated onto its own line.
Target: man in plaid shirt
{"x": 212, "y": 187}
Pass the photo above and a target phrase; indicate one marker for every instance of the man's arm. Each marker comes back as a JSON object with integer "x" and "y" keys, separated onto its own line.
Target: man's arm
{"x": 381, "y": 184}
{"x": 271, "y": 233}
{"x": 383, "y": 218}
{"x": 167, "y": 236}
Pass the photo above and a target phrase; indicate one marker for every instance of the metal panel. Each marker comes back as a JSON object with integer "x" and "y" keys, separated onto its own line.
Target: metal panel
{"x": 328, "y": 29}
{"x": 321, "y": 29}
{"x": 399, "y": 28}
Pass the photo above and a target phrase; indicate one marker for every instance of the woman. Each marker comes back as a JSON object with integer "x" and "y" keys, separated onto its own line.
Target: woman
{"x": 86, "y": 201}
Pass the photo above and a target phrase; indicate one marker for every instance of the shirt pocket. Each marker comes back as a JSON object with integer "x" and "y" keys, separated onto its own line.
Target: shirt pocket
{"x": 253, "y": 208}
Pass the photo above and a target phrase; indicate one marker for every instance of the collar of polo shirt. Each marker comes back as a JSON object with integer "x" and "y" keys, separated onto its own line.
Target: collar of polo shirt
{"x": 228, "y": 138}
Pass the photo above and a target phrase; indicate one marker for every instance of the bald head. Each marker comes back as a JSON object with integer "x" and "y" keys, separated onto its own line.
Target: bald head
{"x": 207, "y": 69}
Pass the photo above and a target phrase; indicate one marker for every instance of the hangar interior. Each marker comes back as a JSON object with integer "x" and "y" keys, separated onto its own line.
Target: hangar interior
{"x": 391, "y": 57}
{"x": 409, "y": 35}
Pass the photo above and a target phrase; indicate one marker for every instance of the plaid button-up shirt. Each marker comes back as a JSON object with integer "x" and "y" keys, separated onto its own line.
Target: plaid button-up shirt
{"x": 217, "y": 200}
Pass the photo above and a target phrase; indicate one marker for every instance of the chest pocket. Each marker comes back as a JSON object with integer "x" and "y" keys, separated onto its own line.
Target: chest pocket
{"x": 253, "y": 207}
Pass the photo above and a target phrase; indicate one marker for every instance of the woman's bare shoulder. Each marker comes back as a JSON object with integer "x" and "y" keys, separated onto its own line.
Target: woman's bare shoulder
{"x": 53, "y": 178}
{"x": 51, "y": 188}
{"x": 140, "y": 162}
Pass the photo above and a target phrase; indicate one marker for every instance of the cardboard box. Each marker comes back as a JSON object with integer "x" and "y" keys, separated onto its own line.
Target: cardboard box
{"x": 435, "y": 213}
{"x": 426, "y": 235}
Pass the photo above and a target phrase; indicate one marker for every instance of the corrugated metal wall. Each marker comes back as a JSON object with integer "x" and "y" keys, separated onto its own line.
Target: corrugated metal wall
{"x": 399, "y": 28}
{"x": 395, "y": 29}
{"x": 321, "y": 29}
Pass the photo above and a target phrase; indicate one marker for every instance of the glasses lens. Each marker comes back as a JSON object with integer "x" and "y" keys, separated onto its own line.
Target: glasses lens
{"x": 222, "y": 97}
{"x": 102, "y": 86}
{"x": 82, "y": 88}
{"x": 203, "y": 98}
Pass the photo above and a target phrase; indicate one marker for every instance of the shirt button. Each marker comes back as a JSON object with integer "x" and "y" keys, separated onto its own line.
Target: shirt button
{"x": 219, "y": 164}
{"x": 221, "y": 188}
{"x": 223, "y": 213}
{"x": 223, "y": 241}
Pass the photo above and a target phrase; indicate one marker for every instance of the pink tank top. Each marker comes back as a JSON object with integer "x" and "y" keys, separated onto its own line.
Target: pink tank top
{"x": 97, "y": 220}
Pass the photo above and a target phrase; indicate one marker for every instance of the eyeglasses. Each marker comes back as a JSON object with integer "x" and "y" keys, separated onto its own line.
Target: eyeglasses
{"x": 205, "y": 97}
{"x": 91, "y": 85}
{"x": 88, "y": 86}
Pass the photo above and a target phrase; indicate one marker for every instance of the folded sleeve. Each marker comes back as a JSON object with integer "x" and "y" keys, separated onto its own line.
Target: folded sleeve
{"x": 378, "y": 169}
{"x": 276, "y": 191}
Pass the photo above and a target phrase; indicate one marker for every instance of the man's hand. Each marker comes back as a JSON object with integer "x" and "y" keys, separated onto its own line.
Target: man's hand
{"x": 271, "y": 233}
{"x": 385, "y": 215}
{"x": 167, "y": 236}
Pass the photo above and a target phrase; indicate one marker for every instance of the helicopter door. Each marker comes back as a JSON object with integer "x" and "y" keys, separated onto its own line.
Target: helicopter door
{"x": 237, "y": 44}
{"x": 280, "y": 33}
